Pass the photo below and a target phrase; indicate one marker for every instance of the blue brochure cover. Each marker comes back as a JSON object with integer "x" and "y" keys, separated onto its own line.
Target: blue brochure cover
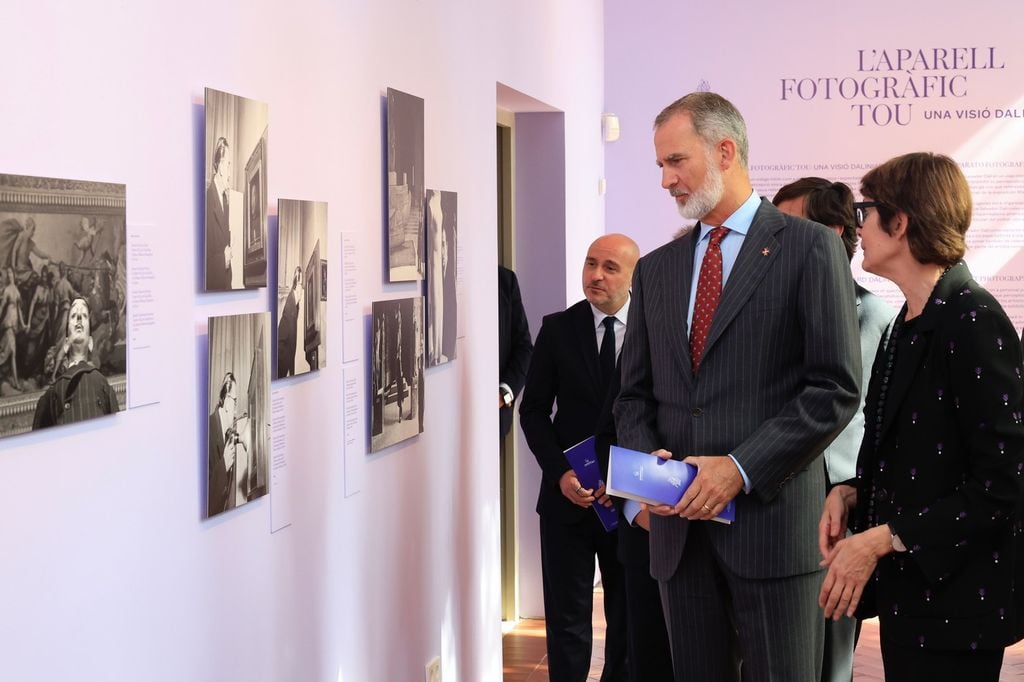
{"x": 647, "y": 478}
{"x": 582, "y": 458}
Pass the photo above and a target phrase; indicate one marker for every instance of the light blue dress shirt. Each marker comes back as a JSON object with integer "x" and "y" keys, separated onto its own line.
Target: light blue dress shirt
{"x": 739, "y": 224}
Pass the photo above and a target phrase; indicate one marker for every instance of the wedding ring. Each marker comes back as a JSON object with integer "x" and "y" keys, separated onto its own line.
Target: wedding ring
{"x": 707, "y": 507}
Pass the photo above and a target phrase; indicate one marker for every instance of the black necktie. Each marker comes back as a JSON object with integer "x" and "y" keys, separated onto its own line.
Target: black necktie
{"x": 607, "y": 353}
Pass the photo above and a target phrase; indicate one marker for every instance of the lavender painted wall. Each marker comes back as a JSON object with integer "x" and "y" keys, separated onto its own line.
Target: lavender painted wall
{"x": 109, "y": 572}
{"x": 540, "y": 266}
{"x": 659, "y": 50}
{"x": 540, "y": 213}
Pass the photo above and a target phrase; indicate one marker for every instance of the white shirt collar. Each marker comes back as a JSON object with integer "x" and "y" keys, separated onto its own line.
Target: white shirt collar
{"x": 221, "y": 186}
{"x": 741, "y": 219}
{"x": 621, "y": 314}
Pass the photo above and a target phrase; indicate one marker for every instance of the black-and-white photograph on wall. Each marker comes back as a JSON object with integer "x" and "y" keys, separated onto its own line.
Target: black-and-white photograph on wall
{"x": 442, "y": 306}
{"x": 239, "y": 407}
{"x": 405, "y": 187}
{"x": 301, "y": 287}
{"x": 236, "y": 192}
{"x": 63, "y": 301}
{"x": 397, "y": 374}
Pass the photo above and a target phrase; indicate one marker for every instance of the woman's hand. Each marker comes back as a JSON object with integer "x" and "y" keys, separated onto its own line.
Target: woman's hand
{"x": 850, "y": 565}
{"x": 834, "y": 516}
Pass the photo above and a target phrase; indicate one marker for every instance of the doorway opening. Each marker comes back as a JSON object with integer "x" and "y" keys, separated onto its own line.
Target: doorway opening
{"x": 530, "y": 152}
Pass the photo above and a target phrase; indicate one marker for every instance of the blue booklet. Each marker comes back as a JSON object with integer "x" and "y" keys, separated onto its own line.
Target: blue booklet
{"x": 582, "y": 458}
{"x": 648, "y": 478}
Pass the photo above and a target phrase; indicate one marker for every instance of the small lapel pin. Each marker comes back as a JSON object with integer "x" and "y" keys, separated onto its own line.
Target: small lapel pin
{"x": 765, "y": 251}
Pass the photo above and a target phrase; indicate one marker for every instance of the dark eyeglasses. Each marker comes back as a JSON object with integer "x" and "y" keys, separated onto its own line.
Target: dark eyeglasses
{"x": 860, "y": 210}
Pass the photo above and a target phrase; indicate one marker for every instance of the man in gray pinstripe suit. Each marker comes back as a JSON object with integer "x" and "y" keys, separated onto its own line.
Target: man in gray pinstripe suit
{"x": 752, "y": 402}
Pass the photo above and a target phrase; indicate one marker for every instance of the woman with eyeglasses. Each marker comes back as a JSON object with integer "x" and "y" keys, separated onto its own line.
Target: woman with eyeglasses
{"x": 936, "y": 505}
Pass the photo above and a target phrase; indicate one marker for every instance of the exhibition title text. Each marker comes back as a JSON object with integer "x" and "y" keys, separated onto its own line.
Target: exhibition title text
{"x": 890, "y": 81}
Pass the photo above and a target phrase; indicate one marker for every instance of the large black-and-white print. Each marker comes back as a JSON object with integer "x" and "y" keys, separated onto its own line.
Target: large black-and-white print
{"x": 301, "y": 287}
{"x": 236, "y": 192}
{"x": 63, "y": 301}
{"x": 239, "y": 408}
{"x": 442, "y": 305}
{"x": 405, "y": 187}
{"x": 397, "y": 375}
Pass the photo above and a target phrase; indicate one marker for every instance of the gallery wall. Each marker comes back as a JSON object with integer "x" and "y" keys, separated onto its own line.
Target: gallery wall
{"x": 110, "y": 570}
{"x": 542, "y": 264}
{"x": 831, "y": 94}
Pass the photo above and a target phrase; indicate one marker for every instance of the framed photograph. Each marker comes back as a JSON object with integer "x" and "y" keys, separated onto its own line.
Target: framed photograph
{"x": 405, "y": 187}
{"x": 301, "y": 344}
{"x": 442, "y": 302}
{"x": 236, "y": 192}
{"x": 63, "y": 301}
{"x": 397, "y": 372}
{"x": 239, "y": 407}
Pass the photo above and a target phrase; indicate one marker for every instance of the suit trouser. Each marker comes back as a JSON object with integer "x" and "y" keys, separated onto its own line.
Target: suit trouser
{"x": 718, "y": 620}
{"x": 840, "y": 640}
{"x": 650, "y": 659}
{"x": 567, "y": 560}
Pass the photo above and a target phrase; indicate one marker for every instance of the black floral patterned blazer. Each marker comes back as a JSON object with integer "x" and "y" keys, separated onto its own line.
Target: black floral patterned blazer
{"x": 943, "y": 463}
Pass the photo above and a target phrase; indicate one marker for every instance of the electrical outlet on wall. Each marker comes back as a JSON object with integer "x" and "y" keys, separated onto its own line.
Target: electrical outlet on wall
{"x": 434, "y": 669}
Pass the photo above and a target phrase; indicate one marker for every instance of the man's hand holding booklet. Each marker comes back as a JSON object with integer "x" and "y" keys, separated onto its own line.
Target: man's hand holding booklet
{"x": 647, "y": 478}
{"x": 582, "y": 457}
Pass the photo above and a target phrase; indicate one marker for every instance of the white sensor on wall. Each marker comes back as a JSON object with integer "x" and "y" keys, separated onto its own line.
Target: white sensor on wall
{"x": 610, "y": 127}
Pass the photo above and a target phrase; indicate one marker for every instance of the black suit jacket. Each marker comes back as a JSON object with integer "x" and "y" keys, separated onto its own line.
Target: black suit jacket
{"x": 779, "y": 379}
{"x": 948, "y": 474}
{"x": 218, "y": 236}
{"x": 633, "y": 544}
{"x": 564, "y": 369}
{"x": 219, "y": 485}
{"x": 514, "y": 345}
{"x": 287, "y": 335}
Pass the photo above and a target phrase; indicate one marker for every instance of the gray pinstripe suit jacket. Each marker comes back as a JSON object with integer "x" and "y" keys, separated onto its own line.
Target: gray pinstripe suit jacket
{"x": 873, "y": 319}
{"x": 779, "y": 379}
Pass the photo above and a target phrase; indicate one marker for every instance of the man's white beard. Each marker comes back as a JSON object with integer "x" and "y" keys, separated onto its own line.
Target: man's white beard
{"x": 703, "y": 200}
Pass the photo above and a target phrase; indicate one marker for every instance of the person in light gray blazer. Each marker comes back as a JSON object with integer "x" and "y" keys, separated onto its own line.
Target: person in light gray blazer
{"x": 777, "y": 378}
{"x": 831, "y": 204}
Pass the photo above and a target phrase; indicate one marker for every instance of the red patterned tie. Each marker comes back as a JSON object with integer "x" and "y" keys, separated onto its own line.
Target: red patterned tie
{"x": 709, "y": 290}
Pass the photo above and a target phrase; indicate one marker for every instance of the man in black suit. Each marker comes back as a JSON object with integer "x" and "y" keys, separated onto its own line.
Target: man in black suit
{"x": 218, "y": 233}
{"x": 222, "y": 435}
{"x": 742, "y": 356}
{"x": 649, "y": 654}
{"x": 514, "y": 345}
{"x": 288, "y": 328}
{"x": 574, "y": 363}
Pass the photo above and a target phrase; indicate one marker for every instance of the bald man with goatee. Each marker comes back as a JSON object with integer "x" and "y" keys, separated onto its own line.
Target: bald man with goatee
{"x": 574, "y": 364}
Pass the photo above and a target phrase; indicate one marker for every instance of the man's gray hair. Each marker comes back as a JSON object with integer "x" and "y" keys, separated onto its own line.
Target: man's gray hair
{"x": 714, "y": 119}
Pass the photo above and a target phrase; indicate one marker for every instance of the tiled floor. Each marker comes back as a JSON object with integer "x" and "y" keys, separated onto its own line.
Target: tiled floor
{"x": 525, "y": 657}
